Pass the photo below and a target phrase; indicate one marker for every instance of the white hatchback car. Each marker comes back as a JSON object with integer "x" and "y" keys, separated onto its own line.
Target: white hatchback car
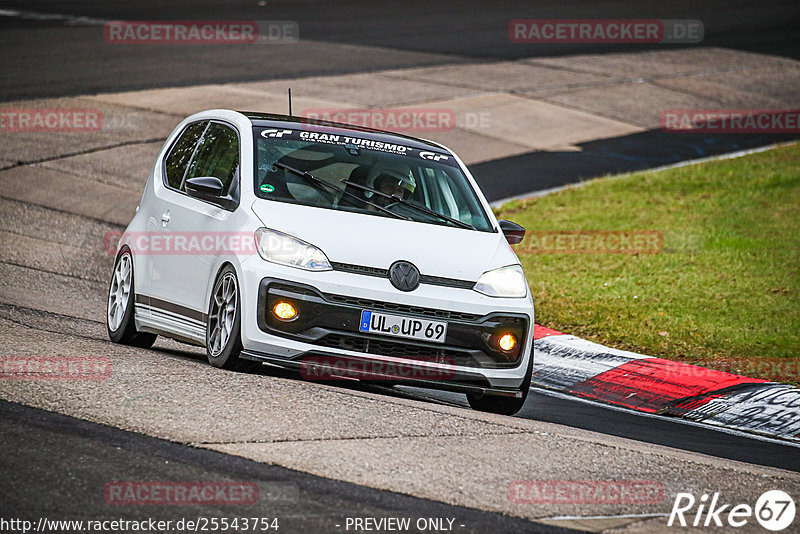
{"x": 339, "y": 251}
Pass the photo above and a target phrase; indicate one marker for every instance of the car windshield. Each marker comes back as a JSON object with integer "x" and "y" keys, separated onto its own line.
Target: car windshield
{"x": 349, "y": 173}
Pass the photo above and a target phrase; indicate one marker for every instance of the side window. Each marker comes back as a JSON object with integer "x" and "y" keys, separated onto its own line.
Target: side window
{"x": 182, "y": 152}
{"x": 217, "y": 155}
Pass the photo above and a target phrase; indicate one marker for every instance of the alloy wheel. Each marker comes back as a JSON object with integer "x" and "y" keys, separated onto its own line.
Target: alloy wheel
{"x": 119, "y": 292}
{"x": 223, "y": 314}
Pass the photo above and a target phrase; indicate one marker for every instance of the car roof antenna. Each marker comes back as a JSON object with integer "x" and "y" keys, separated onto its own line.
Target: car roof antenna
{"x": 290, "y": 101}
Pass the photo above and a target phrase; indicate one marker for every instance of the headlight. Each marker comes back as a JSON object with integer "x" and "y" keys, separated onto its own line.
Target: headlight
{"x": 504, "y": 282}
{"x": 280, "y": 248}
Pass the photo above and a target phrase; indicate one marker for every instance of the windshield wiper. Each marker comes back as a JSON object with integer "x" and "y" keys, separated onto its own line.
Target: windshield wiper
{"x": 419, "y": 207}
{"x": 319, "y": 181}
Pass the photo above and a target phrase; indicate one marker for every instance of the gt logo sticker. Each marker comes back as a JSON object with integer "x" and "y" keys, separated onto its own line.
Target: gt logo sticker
{"x": 433, "y": 157}
{"x": 275, "y": 133}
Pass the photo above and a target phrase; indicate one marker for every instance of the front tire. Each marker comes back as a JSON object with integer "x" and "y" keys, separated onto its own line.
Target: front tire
{"x": 224, "y": 324}
{"x": 498, "y": 405}
{"x": 503, "y": 405}
{"x": 120, "y": 311}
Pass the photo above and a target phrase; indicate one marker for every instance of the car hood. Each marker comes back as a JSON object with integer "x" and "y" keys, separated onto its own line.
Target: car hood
{"x": 374, "y": 241}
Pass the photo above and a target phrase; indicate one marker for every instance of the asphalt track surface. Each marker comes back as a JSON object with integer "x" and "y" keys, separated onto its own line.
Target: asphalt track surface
{"x": 509, "y": 177}
{"x": 40, "y": 481}
{"x": 620, "y": 422}
{"x": 59, "y": 59}
{"x": 55, "y": 58}
{"x": 63, "y": 475}
{"x": 62, "y": 56}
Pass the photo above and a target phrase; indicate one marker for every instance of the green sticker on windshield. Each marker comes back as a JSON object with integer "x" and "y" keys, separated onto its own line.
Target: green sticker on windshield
{"x": 267, "y": 188}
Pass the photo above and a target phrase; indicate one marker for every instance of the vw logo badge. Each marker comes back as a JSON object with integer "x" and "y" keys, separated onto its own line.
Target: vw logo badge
{"x": 404, "y": 276}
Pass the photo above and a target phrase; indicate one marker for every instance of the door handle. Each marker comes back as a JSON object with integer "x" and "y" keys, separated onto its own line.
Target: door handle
{"x": 165, "y": 217}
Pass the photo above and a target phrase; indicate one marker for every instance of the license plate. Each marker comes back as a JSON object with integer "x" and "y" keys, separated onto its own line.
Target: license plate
{"x": 410, "y": 327}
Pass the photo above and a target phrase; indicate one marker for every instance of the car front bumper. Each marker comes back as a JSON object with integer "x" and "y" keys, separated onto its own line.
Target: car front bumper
{"x": 326, "y": 330}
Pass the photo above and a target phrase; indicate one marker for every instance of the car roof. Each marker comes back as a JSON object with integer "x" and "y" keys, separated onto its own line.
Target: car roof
{"x": 283, "y": 121}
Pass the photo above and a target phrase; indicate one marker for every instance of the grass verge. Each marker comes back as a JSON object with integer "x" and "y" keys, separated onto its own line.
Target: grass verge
{"x": 723, "y": 291}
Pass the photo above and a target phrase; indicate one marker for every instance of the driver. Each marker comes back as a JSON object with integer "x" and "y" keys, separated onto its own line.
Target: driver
{"x": 392, "y": 182}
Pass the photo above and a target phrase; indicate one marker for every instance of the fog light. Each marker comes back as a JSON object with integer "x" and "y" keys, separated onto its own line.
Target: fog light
{"x": 507, "y": 342}
{"x": 284, "y": 311}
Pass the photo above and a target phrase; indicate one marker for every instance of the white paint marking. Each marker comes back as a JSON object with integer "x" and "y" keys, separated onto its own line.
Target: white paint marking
{"x": 579, "y": 517}
{"x": 72, "y": 20}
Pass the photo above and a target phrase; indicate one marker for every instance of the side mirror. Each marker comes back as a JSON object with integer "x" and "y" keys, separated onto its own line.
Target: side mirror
{"x": 514, "y": 233}
{"x": 204, "y": 187}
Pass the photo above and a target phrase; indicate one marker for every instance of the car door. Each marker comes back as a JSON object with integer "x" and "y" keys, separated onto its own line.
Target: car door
{"x": 191, "y": 228}
{"x": 153, "y": 283}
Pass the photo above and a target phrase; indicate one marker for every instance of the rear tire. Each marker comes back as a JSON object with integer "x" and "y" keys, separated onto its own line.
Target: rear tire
{"x": 224, "y": 325}
{"x": 120, "y": 309}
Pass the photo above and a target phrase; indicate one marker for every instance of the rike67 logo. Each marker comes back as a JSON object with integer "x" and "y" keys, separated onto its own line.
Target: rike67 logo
{"x": 774, "y": 510}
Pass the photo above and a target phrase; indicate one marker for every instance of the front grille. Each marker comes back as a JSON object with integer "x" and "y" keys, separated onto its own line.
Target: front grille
{"x": 361, "y": 269}
{"x": 396, "y": 349}
{"x": 384, "y": 273}
{"x": 446, "y": 282}
{"x": 400, "y": 308}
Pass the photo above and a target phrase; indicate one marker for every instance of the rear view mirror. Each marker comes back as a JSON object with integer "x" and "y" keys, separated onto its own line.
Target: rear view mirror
{"x": 514, "y": 233}
{"x": 204, "y": 187}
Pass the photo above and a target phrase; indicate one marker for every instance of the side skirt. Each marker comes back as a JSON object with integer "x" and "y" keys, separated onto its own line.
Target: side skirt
{"x": 171, "y": 320}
